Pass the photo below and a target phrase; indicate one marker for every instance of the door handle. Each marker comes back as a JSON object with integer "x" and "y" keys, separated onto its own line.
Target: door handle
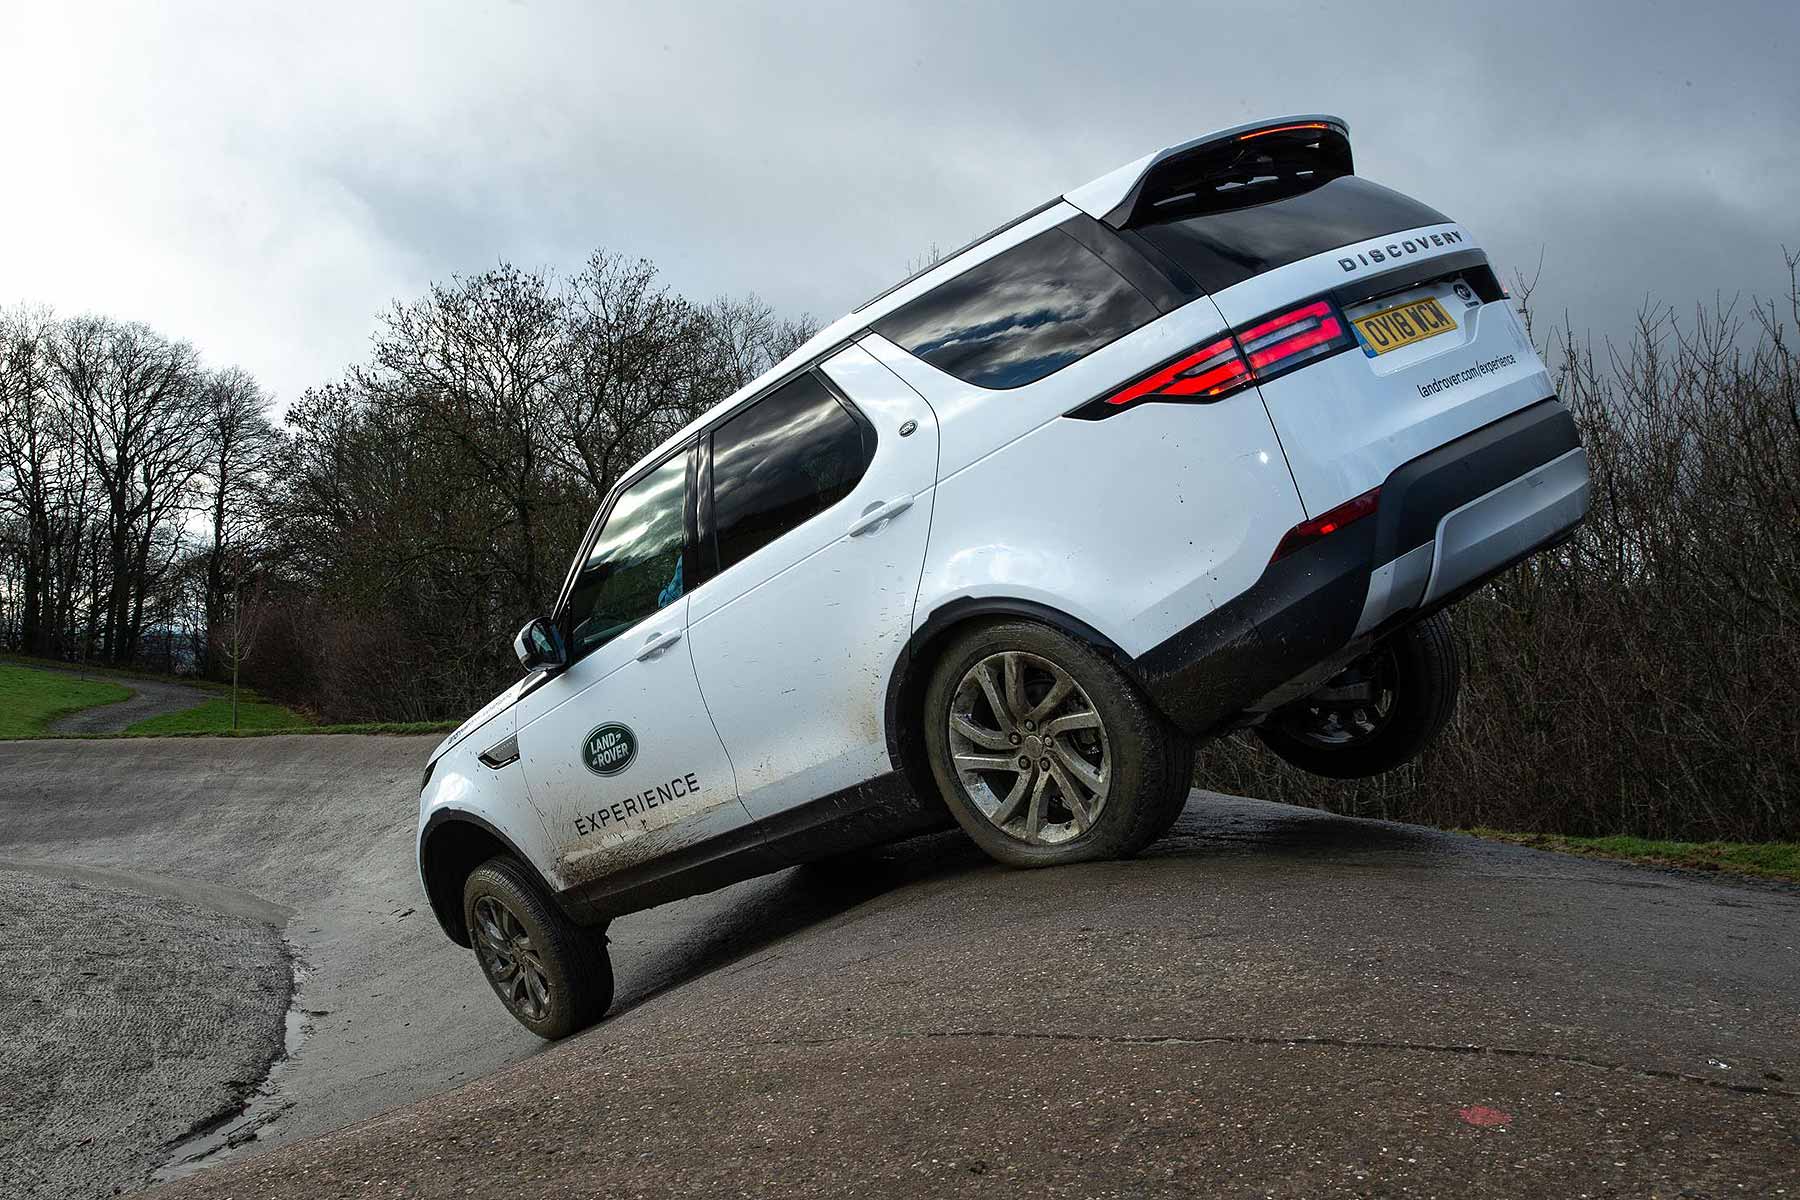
{"x": 879, "y": 514}
{"x": 656, "y": 643}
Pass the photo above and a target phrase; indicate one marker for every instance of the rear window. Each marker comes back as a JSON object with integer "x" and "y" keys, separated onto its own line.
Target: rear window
{"x": 1020, "y": 315}
{"x": 1222, "y": 248}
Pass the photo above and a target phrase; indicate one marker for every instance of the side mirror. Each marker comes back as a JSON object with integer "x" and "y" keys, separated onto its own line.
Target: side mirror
{"x": 539, "y": 646}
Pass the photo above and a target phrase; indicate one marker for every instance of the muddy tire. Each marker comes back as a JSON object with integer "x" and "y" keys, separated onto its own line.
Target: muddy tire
{"x": 1378, "y": 714}
{"x": 1045, "y": 752}
{"x": 554, "y": 976}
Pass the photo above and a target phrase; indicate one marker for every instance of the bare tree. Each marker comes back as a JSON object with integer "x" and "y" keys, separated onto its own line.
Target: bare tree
{"x": 33, "y": 458}
{"x": 241, "y": 448}
{"x": 474, "y": 364}
{"x": 136, "y": 399}
{"x": 633, "y": 362}
{"x": 746, "y": 337}
{"x": 236, "y": 641}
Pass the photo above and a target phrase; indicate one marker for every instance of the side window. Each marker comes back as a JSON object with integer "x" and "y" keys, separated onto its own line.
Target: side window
{"x": 635, "y": 565}
{"x": 782, "y": 461}
{"x": 1020, "y": 315}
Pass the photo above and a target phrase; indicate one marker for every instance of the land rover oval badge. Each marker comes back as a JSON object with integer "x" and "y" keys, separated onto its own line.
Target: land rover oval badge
{"x": 609, "y": 749}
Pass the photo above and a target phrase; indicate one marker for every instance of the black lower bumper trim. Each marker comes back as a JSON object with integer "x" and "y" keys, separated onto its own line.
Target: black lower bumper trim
{"x": 1417, "y": 494}
{"x": 1304, "y": 609}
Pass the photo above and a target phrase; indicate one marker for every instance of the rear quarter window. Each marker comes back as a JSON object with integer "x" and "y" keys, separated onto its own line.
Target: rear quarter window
{"x": 1020, "y": 315}
{"x": 779, "y": 463}
{"x": 1222, "y": 248}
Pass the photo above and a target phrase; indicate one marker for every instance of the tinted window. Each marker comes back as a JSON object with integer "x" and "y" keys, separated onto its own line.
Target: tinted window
{"x": 635, "y": 565}
{"x": 785, "y": 459}
{"x": 1020, "y": 315}
{"x": 1222, "y": 248}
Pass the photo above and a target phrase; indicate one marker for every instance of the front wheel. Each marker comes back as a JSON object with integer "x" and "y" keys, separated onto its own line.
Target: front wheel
{"x": 554, "y": 976}
{"x": 1046, "y": 753}
{"x": 1377, "y": 714}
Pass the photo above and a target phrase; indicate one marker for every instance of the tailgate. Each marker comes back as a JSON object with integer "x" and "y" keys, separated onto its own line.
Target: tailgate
{"x": 1439, "y": 353}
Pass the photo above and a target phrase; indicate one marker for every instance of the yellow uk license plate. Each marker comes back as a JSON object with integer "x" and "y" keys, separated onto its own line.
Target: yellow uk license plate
{"x": 1404, "y": 324}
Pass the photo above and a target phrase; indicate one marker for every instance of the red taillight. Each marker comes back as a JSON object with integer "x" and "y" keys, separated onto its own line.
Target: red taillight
{"x": 1326, "y": 523}
{"x": 1210, "y": 371}
{"x": 1293, "y": 337}
{"x": 1270, "y": 347}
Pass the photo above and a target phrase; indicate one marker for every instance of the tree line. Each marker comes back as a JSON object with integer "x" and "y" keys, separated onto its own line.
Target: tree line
{"x": 129, "y": 473}
{"x": 370, "y": 558}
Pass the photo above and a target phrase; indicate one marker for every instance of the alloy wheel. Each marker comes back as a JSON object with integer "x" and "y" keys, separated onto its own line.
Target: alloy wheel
{"x": 1029, "y": 748}
{"x": 510, "y": 959}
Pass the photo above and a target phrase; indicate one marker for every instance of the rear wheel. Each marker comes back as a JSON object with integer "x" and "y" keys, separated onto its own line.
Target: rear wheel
{"x": 1046, "y": 753}
{"x": 554, "y": 976}
{"x": 1377, "y": 714}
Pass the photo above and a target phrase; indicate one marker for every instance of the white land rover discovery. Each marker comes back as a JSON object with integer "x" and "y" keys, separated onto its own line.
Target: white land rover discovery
{"x": 1209, "y": 443}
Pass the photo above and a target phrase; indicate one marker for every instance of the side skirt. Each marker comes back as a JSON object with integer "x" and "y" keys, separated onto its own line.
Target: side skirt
{"x": 882, "y": 809}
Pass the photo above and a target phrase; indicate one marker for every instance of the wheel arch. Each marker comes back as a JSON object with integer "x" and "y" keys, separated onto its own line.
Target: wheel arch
{"x": 453, "y": 843}
{"x": 912, "y": 668}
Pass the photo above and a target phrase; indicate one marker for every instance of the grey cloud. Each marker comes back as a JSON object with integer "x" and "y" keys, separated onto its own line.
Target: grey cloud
{"x": 264, "y": 183}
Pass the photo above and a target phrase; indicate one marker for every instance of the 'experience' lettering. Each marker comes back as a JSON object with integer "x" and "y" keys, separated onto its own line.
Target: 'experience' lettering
{"x": 638, "y": 804}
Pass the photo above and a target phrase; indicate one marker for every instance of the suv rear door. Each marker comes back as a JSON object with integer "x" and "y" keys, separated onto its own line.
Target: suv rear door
{"x": 814, "y": 512}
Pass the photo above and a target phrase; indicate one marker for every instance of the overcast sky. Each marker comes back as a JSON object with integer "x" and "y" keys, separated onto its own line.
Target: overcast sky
{"x": 262, "y": 179}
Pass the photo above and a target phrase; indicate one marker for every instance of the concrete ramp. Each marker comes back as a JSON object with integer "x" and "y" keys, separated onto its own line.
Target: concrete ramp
{"x": 310, "y": 836}
{"x": 1271, "y": 1001}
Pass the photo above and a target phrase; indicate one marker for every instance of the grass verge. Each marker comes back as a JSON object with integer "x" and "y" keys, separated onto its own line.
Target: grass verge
{"x": 1766, "y": 860}
{"x": 34, "y": 692}
{"x": 30, "y": 699}
{"x": 214, "y": 716}
{"x": 125, "y": 675}
{"x": 383, "y": 728}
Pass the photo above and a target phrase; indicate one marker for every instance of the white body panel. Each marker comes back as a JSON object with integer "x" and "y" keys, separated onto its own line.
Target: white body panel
{"x": 1136, "y": 526}
{"x": 1347, "y": 421}
{"x": 602, "y": 824}
{"x": 1175, "y": 516}
{"x": 460, "y": 783}
{"x": 793, "y": 645}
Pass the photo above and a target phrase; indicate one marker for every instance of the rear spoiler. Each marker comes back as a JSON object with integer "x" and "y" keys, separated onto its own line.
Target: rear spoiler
{"x": 1210, "y": 171}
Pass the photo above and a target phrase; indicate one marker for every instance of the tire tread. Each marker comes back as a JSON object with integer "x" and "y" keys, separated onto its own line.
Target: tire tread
{"x": 1129, "y": 823}
{"x": 584, "y": 962}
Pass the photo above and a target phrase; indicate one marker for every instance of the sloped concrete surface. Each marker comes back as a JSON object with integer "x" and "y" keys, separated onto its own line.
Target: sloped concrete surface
{"x": 1273, "y": 1001}
{"x": 312, "y": 835}
{"x": 127, "y": 1020}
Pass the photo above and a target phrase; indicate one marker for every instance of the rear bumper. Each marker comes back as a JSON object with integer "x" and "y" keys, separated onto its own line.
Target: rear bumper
{"x": 1447, "y": 522}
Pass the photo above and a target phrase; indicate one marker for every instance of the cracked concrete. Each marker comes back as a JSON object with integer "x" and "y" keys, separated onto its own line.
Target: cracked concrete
{"x": 1230, "y": 1039}
{"x": 1272, "y": 1001}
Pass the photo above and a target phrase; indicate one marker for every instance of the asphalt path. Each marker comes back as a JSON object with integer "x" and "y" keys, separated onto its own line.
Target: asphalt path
{"x": 1273, "y": 1001}
{"x": 149, "y": 698}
